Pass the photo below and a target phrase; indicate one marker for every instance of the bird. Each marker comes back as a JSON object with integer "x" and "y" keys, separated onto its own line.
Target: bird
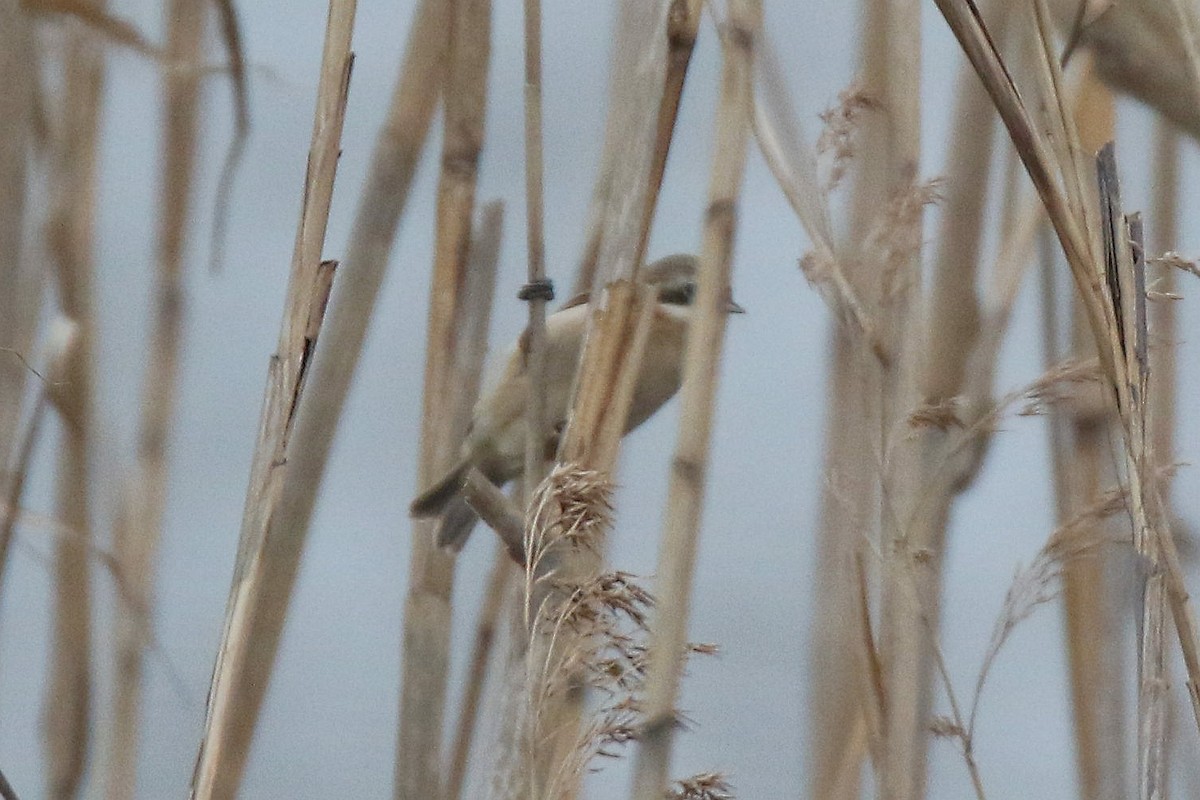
{"x": 495, "y": 441}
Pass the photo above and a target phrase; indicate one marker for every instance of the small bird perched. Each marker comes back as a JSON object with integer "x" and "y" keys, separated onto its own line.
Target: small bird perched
{"x": 495, "y": 442}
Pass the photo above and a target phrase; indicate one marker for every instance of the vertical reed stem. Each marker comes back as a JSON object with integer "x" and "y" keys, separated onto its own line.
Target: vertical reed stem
{"x": 677, "y": 553}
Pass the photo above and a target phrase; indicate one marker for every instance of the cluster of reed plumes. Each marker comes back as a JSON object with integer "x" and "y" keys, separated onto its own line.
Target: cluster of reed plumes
{"x": 595, "y": 659}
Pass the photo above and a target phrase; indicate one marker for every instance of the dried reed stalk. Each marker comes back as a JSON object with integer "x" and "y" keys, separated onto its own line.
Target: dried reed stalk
{"x": 561, "y": 562}
{"x": 1145, "y": 48}
{"x": 494, "y": 600}
{"x": 138, "y": 528}
{"x": 71, "y": 234}
{"x": 635, "y": 133}
{"x": 242, "y": 668}
{"x": 1115, "y": 310}
{"x": 452, "y": 309}
{"x": 685, "y": 497}
{"x": 485, "y": 257}
{"x": 20, "y": 279}
{"x": 906, "y": 617}
{"x": 683, "y": 24}
{"x": 535, "y": 245}
{"x": 1079, "y": 476}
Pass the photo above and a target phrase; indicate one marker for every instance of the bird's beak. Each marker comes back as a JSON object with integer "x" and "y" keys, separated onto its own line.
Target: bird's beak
{"x": 733, "y": 308}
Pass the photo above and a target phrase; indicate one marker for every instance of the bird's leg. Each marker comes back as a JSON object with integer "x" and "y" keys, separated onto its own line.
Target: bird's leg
{"x": 486, "y": 499}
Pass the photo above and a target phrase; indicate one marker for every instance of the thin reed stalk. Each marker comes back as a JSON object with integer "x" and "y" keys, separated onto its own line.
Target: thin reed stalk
{"x": 634, "y": 138}
{"x": 71, "y": 234}
{"x": 535, "y": 245}
{"x": 495, "y": 599}
{"x": 905, "y": 614}
{"x": 20, "y": 275}
{"x": 456, "y": 303}
{"x": 138, "y": 528}
{"x": 685, "y": 499}
{"x": 1112, "y": 296}
{"x": 1080, "y": 474}
{"x": 683, "y": 24}
{"x": 564, "y": 545}
{"x": 242, "y": 668}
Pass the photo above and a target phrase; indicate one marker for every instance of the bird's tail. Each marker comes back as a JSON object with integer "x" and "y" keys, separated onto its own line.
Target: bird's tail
{"x": 433, "y": 500}
{"x": 458, "y": 520}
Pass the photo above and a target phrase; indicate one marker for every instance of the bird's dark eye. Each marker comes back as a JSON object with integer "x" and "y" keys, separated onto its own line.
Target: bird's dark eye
{"x": 681, "y": 295}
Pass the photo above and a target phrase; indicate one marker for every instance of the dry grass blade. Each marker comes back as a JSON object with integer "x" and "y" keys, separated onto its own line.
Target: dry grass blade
{"x": 687, "y": 480}
{"x": 231, "y": 35}
{"x": 62, "y": 341}
{"x": 71, "y": 233}
{"x": 459, "y": 306}
{"x": 242, "y": 671}
{"x": 98, "y": 19}
{"x": 138, "y": 527}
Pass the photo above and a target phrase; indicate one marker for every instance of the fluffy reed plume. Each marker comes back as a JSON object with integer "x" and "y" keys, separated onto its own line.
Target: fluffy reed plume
{"x": 588, "y": 632}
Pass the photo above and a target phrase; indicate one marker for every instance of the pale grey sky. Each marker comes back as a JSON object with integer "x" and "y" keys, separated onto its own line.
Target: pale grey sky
{"x": 329, "y": 725}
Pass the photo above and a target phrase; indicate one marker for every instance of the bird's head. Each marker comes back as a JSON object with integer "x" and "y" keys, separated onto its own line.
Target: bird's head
{"x": 675, "y": 279}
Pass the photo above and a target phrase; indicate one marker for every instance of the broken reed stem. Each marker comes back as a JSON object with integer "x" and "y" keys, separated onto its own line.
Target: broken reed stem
{"x": 71, "y": 234}
{"x": 494, "y": 601}
{"x": 1080, "y": 474}
{"x": 243, "y": 663}
{"x": 138, "y": 528}
{"x": 20, "y": 276}
{"x": 677, "y": 554}
{"x": 456, "y": 302}
{"x": 683, "y": 25}
{"x": 1076, "y": 240}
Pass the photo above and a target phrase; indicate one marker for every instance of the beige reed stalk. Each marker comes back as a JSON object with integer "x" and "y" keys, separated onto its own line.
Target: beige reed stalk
{"x": 243, "y": 663}
{"x": 138, "y": 528}
{"x": 425, "y": 656}
{"x": 535, "y": 244}
{"x": 557, "y": 569}
{"x": 683, "y": 24}
{"x": 685, "y": 497}
{"x": 1144, "y": 48}
{"x": 908, "y": 601}
{"x": 485, "y": 258}
{"x": 71, "y": 232}
{"x": 1089, "y": 584}
{"x": 1058, "y": 180}
{"x": 20, "y": 277}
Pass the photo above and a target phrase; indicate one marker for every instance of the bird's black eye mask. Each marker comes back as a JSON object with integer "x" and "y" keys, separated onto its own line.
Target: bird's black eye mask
{"x": 678, "y": 295}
